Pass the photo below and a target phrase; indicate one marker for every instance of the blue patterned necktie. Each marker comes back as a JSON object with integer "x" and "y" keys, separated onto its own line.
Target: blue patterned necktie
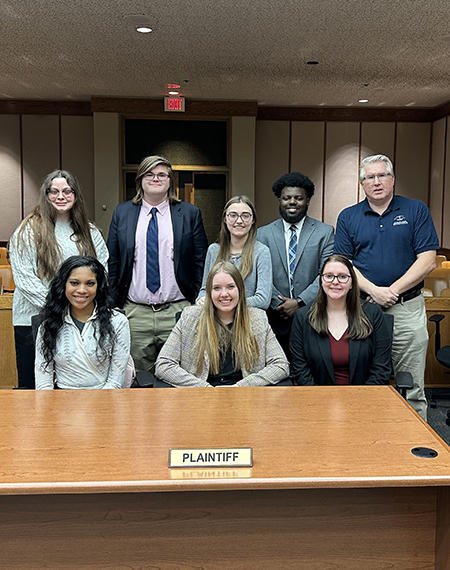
{"x": 153, "y": 278}
{"x": 292, "y": 256}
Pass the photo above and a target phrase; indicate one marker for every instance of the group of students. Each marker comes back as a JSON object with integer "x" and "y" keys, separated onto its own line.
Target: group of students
{"x": 59, "y": 262}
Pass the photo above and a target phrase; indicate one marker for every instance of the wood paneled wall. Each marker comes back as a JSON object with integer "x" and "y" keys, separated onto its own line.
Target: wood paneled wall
{"x": 31, "y": 146}
{"x": 330, "y": 152}
{"x": 325, "y": 146}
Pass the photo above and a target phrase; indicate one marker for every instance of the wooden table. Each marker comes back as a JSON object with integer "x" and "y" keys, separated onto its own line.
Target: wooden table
{"x": 84, "y": 481}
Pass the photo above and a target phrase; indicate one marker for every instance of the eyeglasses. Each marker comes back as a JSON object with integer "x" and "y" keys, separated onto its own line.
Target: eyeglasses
{"x": 53, "y": 193}
{"x": 329, "y": 278}
{"x": 381, "y": 177}
{"x": 245, "y": 217}
{"x": 161, "y": 176}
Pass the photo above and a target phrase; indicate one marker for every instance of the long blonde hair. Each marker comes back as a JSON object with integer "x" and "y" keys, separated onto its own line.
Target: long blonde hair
{"x": 213, "y": 338}
{"x": 41, "y": 221}
{"x": 246, "y": 265}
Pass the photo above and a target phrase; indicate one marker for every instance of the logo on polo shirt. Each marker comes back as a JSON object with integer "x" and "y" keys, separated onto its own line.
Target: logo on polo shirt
{"x": 400, "y": 220}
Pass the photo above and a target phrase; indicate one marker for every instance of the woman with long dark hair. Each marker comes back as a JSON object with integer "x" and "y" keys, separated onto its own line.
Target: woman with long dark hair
{"x": 339, "y": 340}
{"x": 82, "y": 342}
{"x": 56, "y": 229}
{"x": 223, "y": 342}
{"x": 237, "y": 243}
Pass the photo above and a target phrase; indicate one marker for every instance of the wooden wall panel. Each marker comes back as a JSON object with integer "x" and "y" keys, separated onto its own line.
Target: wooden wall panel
{"x": 77, "y": 154}
{"x": 10, "y": 180}
{"x": 307, "y": 156}
{"x": 437, "y": 173}
{"x": 40, "y": 147}
{"x": 446, "y": 202}
{"x": 341, "y": 171}
{"x": 376, "y": 138}
{"x": 412, "y": 160}
{"x": 242, "y": 157}
{"x": 272, "y": 161}
{"x": 107, "y": 166}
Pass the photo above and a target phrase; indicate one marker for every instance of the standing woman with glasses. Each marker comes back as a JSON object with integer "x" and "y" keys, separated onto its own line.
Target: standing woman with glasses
{"x": 56, "y": 229}
{"x": 338, "y": 340}
{"x": 237, "y": 243}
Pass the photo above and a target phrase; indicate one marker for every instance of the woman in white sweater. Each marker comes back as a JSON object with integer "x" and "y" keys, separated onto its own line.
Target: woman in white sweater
{"x": 56, "y": 229}
{"x": 82, "y": 342}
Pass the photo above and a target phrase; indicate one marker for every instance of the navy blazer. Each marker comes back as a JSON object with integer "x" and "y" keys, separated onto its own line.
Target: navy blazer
{"x": 370, "y": 359}
{"x": 189, "y": 248}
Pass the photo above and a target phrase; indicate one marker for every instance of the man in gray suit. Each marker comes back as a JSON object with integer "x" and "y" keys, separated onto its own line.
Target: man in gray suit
{"x": 298, "y": 245}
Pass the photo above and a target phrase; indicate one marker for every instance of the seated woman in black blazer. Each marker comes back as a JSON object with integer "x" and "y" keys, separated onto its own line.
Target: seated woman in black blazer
{"x": 338, "y": 340}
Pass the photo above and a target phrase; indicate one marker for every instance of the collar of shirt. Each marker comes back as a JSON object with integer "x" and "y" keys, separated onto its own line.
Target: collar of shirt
{"x": 393, "y": 205}
{"x": 162, "y": 208}
{"x": 298, "y": 225}
{"x": 68, "y": 316}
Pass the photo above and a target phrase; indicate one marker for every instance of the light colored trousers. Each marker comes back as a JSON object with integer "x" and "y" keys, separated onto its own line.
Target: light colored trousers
{"x": 149, "y": 331}
{"x": 409, "y": 347}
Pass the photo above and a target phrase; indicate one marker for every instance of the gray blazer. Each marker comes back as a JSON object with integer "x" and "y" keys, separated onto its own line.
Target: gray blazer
{"x": 315, "y": 245}
{"x": 176, "y": 363}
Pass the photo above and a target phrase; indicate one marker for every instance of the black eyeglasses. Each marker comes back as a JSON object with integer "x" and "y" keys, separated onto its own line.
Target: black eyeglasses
{"x": 234, "y": 216}
{"x": 161, "y": 176}
{"x": 329, "y": 278}
{"x": 66, "y": 192}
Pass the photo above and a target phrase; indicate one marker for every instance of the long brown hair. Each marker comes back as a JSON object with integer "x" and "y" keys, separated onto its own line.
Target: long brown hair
{"x": 246, "y": 265}
{"x": 41, "y": 221}
{"x": 213, "y": 338}
{"x": 146, "y": 166}
{"x": 359, "y": 326}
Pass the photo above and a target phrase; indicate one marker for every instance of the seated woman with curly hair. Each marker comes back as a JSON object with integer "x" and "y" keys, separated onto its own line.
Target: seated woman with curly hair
{"x": 223, "y": 342}
{"x": 82, "y": 342}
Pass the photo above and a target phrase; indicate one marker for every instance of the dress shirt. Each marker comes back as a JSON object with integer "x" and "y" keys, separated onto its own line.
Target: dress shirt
{"x": 288, "y": 234}
{"x": 169, "y": 290}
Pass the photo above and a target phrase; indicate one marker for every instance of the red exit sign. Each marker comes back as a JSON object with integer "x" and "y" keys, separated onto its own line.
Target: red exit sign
{"x": 174, "y": 104}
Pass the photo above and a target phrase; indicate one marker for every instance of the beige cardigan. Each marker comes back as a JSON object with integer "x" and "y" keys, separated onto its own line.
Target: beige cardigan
{"x": 176, "y": 363}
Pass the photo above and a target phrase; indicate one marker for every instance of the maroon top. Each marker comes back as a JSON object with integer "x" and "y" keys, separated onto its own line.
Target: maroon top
{"x": 340, "y": 357}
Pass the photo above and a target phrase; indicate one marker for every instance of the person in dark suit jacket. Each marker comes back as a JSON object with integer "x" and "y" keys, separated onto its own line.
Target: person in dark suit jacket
{"x": 298, "y": 246}
{"x": 337, "y": 340}
{"x": 157, "y": 247}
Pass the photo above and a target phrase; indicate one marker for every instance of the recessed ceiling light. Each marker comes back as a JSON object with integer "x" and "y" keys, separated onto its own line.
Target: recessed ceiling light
{"x": 363, "y": 100}
{"x": 173, "y": 92}
{"x": 140, "y": 22}
{"x": 173, "y": 86}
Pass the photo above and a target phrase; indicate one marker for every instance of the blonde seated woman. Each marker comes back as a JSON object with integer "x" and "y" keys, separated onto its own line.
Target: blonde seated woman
{"x": 223, "y": 342}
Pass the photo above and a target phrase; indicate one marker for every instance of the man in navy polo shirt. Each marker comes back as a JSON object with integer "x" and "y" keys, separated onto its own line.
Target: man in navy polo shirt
{"x": 392, "y": 242}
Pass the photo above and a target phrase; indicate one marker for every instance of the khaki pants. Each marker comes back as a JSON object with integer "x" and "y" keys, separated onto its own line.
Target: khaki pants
{"x": 409, "y": 347}
{"x": 149, "y": 331}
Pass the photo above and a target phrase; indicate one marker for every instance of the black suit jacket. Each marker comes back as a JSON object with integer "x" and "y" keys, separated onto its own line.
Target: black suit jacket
{"x": 370, "y": 359}
{"x": 189, "y": 246}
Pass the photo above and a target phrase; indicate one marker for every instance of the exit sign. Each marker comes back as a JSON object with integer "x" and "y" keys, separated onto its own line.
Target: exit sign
{"x": 174, "y": 104}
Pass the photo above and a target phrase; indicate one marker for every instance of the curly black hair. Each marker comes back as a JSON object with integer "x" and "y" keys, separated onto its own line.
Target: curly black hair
{"x": 52, "y": 314}
{"x": 293, "y": 180}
